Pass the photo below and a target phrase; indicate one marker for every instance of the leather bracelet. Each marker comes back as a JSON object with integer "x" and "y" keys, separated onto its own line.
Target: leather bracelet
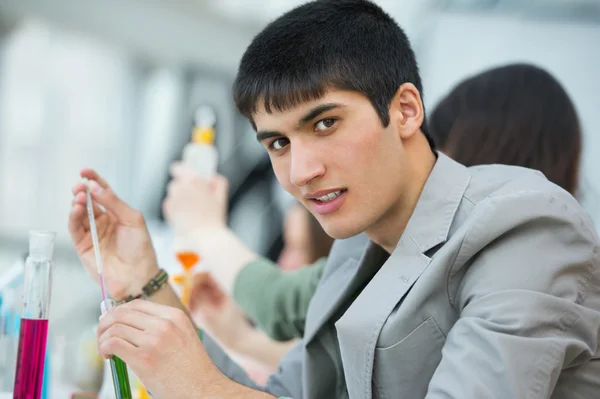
{"x": 150, "y": 288}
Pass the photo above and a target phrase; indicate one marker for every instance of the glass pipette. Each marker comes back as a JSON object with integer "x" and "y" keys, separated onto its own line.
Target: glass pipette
{"x": 94, "y": 232}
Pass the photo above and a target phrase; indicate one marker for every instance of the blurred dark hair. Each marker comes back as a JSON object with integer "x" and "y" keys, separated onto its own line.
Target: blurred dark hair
{"x": 518, "y": 115}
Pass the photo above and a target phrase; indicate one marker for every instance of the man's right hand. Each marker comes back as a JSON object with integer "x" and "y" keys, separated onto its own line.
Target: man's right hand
{"x": 128, "y": 258}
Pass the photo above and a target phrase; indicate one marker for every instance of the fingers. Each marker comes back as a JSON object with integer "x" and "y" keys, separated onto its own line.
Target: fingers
{"x": 137, "y": 324}
{"x": 184, "y": 182}
{"x": 79, "y": 187}
{"x": 80, "y": 199}
{"x": 181, "y": 170}
{"x": 103, "y": 195}
{"x": 113, "y": 204}
{"x": 92, "y": 175}
{"x": 122, "y": 332}
{"x": 77, "y": 220}
{"x": 118, "y": 347}
{"x": 124, "y": 315}
{"x": 79, "y": 223}
{"x": 123, "y": 329}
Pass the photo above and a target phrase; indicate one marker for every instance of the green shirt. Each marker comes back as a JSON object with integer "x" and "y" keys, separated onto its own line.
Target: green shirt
{"x": 276, "y": 300}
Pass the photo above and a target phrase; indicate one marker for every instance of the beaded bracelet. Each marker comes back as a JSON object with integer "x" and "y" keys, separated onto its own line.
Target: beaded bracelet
{"x": 150, "y": 288}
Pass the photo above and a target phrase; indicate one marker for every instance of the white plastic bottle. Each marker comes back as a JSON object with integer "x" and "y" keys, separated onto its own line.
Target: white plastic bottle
{"x": 201, "y": 153}
{"x": 202, "y": 156}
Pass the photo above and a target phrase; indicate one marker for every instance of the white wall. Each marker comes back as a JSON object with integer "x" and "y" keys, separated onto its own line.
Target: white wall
{"x": 65, "y": 103}
{"x": 459, "y": 45}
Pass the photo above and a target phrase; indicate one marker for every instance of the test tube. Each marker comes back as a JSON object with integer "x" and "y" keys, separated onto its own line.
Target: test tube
{"x": 33, "y": 332}
{"x": 118, "y": 366}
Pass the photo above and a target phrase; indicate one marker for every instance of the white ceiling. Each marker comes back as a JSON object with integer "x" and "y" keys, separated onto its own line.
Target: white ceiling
{"x": 173, "y": 32}
{"x": 214, "y": 33}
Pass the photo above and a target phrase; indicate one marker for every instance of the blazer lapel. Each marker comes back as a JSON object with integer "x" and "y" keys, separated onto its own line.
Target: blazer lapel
{"x": 338, "y": 285}
{"x": 359, "y": 328}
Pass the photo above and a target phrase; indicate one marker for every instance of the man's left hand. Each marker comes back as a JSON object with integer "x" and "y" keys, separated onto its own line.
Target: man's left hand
{"x": 160, "y": 344}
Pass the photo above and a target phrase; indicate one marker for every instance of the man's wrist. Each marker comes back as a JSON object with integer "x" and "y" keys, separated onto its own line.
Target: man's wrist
{"x": 140, "y": 279}
{"x": 153, "y": 285}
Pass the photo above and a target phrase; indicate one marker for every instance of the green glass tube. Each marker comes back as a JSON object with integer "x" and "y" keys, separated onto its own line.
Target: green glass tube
{"x": 120, "y": 378}
{"x": 117, "y": 366}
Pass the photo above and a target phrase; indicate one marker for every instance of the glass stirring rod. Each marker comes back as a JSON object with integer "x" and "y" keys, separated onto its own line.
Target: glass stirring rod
{"x": 118, "y": 366}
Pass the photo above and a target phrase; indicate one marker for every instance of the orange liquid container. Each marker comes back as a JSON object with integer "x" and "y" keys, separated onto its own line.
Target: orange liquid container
{"x": 188, "y": 260}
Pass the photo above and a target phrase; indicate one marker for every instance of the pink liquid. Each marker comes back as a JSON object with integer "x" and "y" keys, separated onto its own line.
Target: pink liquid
{"x": 30, "y": 360}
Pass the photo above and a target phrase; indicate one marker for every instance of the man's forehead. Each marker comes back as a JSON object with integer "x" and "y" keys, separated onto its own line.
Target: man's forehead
{"x": 273, "y": 110}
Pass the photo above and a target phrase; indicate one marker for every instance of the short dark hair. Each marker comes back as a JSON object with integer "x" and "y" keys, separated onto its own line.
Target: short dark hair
{"x": 327, "y": 44}
{"x": 516, "y": 114}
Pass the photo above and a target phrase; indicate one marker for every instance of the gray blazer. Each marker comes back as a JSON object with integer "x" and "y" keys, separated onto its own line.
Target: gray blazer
{"x": 492, "y": 292}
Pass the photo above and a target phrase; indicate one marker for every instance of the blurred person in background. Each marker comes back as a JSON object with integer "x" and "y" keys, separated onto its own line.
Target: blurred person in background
{"x": 304, "y": 240}
{"x": 517, "y": 114}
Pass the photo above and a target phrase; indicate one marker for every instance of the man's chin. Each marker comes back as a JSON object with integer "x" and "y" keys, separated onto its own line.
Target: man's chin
{"x": 339, "y": 232}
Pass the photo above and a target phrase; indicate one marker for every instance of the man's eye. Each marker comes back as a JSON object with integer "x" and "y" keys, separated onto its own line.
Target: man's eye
{"x": 278, "y": 144}
{"x": 325, "y": 124}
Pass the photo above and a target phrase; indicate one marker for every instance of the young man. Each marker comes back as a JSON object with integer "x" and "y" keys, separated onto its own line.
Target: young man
{"x": 474, "y": 283}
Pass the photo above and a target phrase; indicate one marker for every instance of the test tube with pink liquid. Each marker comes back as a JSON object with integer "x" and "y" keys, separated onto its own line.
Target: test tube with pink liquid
{"x": 33, "y": 334}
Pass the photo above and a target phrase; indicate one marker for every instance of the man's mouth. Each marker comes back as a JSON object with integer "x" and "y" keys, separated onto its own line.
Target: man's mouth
{"x": 331, "y": 196}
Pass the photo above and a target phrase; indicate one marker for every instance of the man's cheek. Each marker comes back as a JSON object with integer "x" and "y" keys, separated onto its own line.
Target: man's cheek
{"x": 283, "y": 176}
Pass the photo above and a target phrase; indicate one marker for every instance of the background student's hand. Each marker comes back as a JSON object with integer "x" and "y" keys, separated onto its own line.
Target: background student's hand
{"x": 194, "y": 203}
{"x": 128, "y": 258}
{"x": 161, "y": 346}
{"x": 197, "y": 210}
{"x": 217, "y": 314}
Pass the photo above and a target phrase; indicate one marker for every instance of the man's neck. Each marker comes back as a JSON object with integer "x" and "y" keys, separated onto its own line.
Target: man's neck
{"x": 392, "y": 224}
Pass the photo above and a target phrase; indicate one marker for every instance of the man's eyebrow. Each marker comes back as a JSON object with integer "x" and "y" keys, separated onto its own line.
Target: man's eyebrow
{"x": 316, "y": 111}
{"x": 262, "y": 136}
{"x": 309, "y": 116}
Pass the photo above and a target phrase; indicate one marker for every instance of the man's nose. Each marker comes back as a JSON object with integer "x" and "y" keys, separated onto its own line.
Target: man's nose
{"x": 305, "y": 165}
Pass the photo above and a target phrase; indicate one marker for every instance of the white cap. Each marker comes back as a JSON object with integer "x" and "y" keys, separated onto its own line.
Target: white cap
{"x": 205, "y": 116}
{"x": 41, "y": 243}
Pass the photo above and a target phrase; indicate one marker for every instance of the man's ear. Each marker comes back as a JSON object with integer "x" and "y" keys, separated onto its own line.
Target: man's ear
{"x": 406, "y": 109}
